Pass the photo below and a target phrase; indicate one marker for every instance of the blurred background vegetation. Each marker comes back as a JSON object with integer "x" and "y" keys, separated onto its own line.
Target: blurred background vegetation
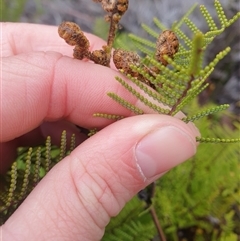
{"x": 198, "y": 200}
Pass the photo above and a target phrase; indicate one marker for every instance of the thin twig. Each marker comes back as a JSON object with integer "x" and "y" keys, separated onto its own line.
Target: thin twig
{"x": 153, "y": 213}
{"x": 157, "y": 224}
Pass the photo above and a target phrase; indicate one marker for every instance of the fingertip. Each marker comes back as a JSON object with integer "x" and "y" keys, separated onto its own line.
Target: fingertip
{"x": 163, "y": 149}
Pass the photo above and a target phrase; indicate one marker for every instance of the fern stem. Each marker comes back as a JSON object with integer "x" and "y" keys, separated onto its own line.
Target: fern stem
{"x": 157, "y": 224}
{"x": 184, "y": 94}
{"x": 153, "y": 212}
{"x": 144, "y": 100}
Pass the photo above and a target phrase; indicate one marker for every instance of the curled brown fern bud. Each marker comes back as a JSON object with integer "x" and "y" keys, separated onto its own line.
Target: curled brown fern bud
{"x": 114, "y": 6}
{"x": 167, "y": 44}
{"x": 73, "y": 35}
{"x": 124, "y": 59}
{"x": 99, "y": 57}
{"x": 81, "y": 53}
{"x": 122, "y": 6}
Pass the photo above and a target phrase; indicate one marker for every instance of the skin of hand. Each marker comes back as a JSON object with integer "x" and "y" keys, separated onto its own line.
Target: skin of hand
{"x": 43, "y": 91}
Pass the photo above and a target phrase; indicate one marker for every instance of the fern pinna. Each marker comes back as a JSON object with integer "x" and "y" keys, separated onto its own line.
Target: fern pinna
{"x": 30, "y": 167}
{"x": 167, "y": 79}
{"x": 178, "y": 78}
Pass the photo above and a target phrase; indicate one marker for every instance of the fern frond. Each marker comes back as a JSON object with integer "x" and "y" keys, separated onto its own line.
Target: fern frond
{"x": 13, "y": 185}
{"x": 144, "y": 100}
{"x": 179, "y": 83}
{"x": 72, "y": 142}
{"x": 194, "y": 93}
{"x": 195, "y": 63}
{"x": 133, "y": 230}
{"x": 48, "y": 154}
{"x": 150, "y": 31}
{"x": 109, "y": 116}
{"x": 159, "y": 24}
{"x": 182, "y": 202}
{"x": 27, "y": 171}
{"x": 126, "y": 104}
{"x": 145, "y": 50}
{"x": 142, "y": 41}
{"x": 133, "y": 227}
{"x": 216, "y": 140}
{"x": 63, "y": 145}
{"x": 191, "y": 25}
{"x": 30, "y": 167}
{"x": 208, "y": 36}
{"x": 185, "y": 16}
{"x": 187, "y": 41}
{"x": 36, "y": 175}
{"x": 221, "y": 15}
{"x": 150, "y": 92}
{"x": 92, "y": 132}
{"x": 211, "y": 23}
{"x": 218, "y": 57}
{"x": 205, "y": 113}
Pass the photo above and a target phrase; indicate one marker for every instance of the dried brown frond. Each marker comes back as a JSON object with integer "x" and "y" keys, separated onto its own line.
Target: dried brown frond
{"x": 74, "y": 36}
{"x": 167, "y": 44}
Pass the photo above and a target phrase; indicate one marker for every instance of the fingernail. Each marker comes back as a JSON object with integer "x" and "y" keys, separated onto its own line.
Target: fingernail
{"x": 163, "y": 149}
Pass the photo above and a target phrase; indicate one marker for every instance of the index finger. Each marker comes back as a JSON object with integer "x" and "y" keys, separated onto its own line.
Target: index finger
{"x": 24, "y": 37}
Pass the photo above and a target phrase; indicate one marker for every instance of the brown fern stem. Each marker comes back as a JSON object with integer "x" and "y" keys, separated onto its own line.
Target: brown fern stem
{"x": 157, "y": 224}
{"x": 184, "y": 94}
{"x": 153, "y": 213}
{"x": 112, "y": 32}
{"x": 111, "y": 37}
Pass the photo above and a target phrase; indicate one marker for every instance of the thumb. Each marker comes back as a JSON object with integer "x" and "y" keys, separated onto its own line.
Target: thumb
{"x": 77, "y": 198}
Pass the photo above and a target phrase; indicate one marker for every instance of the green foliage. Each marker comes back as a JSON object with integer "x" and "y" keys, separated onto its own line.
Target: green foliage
{"x": 205, "y": 113}
{"x": 30, "y": 167}
{"x": 202, "y": 192}
{"x": 176, "y": 85}
{"x": 131, "y": 224}
{"x": 126, "y": 104}
{"x": 200, "y": 196}
{"x": 12, "y": 10}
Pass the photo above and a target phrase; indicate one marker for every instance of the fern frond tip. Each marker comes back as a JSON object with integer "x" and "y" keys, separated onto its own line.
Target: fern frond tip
{"x": 108, "y": 116}
{"x": 205, "y": 113}
{"x": 216, "y": 140}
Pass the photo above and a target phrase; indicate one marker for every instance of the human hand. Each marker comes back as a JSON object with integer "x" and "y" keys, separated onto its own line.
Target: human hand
{"x": 46, "y": 92}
